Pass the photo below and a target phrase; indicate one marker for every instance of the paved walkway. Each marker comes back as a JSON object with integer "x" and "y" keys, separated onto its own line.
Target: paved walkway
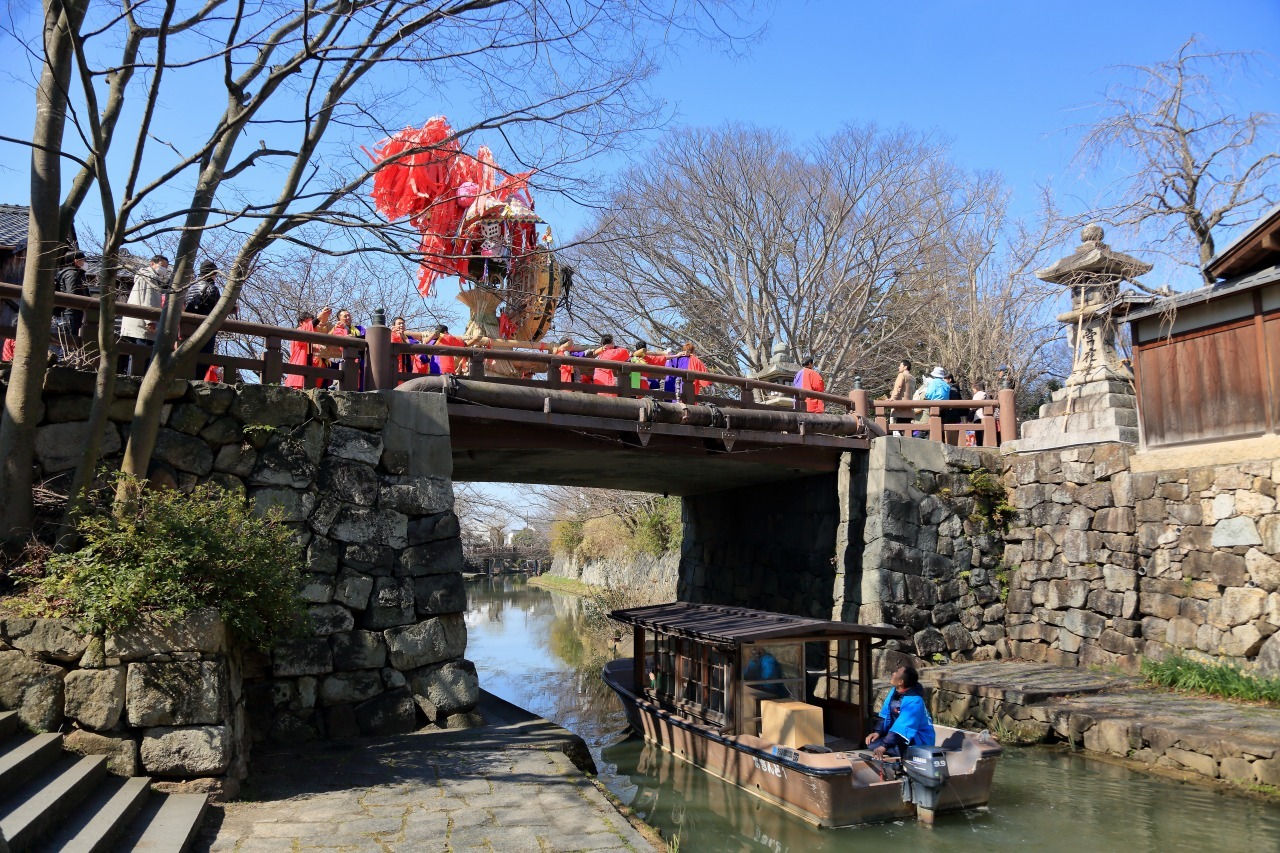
{"x": 1115, "y": 715}
{"x": 509, "y": 786}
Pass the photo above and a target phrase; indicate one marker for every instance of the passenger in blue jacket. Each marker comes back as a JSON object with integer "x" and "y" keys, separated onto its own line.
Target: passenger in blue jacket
{"x": 904, "y": 718}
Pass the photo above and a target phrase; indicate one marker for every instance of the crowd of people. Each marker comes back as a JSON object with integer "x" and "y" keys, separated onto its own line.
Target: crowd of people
{"x": 151, "y": 288}
{"x": 942, "y": 385}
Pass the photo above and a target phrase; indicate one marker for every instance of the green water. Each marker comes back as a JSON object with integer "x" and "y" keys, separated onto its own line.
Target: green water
{"x": 524, "y": 643}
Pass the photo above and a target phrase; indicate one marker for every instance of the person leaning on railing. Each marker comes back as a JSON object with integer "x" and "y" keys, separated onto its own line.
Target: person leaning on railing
{"x": 149, "y": 287}
{"x": 809, "y": 379}
{"x": 201, "y": 299}
{"x": 304, "y": 353}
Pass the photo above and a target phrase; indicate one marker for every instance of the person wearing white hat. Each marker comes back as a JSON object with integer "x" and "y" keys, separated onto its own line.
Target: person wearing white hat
{"x": 936, "y": 387}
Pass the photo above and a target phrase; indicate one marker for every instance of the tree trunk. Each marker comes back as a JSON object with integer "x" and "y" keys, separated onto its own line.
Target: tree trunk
{"x": 45, "y": 247}
{"x": 104, "y": 392}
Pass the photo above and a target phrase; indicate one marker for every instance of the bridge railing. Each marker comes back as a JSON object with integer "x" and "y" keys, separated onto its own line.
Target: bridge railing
{"x": 271, "y": 367}
{"x": 991, "y": 422}
{"x": 374, "y": 363}
{"x": 528, "y": 363}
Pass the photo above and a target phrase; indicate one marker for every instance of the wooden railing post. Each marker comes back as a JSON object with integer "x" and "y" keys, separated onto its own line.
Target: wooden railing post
{"x": 380, "y": 375}
{"x": 350, "y": 380}
{"x": 475, "y": 368}
{"x": 553, "y": 375}
{"x": 1008, "y": 416}
{"x": 935, "y": 424}
{"x": 860, "y": 399}
{"x": 272, "y": 362}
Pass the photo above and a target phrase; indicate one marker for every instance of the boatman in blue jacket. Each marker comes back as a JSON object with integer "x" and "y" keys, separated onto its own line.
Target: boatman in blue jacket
{"x": 904, "y": 718}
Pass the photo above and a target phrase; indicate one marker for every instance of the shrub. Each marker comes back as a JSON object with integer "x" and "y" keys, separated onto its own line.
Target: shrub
{"x": 1217, "y": 679}
{"x": 604, "y": 536}
{"x": 566, "y": 536}
{"x": 660, "y": 529}
{"x": 180, "y": 552}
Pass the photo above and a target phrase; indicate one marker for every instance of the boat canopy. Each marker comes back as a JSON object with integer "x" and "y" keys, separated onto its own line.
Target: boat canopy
{"x": 733, "y": 626}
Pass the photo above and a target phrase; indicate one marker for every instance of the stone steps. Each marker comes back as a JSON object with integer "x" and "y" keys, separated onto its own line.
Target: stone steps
{"x": 52, "y": 799}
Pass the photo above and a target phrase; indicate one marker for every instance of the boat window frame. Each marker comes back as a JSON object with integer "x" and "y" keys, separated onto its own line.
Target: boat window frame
{"x": 749, "y": 719}
{"x": 687, "y": 684}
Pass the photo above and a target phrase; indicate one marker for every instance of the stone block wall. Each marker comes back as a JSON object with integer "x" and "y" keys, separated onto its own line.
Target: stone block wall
{"x": 1114, "y": 563}
{"x": 766, "y": 547}
{"x": 165, "y": 701}
{"x": 646, "y": 571}
{"x": 930, "y": 560}
{"x": 364, "y": 481}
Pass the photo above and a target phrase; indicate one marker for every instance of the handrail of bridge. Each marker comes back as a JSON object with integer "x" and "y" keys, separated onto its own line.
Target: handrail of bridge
{"x": 373, "y": 362}
{"x": 476, "y": 358}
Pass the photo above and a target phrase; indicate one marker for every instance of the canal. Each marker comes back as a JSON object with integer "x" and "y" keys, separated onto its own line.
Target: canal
{"x": 525, "y": 642}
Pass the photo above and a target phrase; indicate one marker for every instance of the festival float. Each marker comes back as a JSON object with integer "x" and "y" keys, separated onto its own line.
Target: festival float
{"x": 476, "y": 222}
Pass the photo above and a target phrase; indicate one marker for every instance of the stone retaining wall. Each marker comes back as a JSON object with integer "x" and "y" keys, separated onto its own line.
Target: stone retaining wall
{"x": 1113, "y": 563}
{"x": 364, "y": 481}
{"x": 764, "y": 547}
{"x": 1110, "y": 715}
{"x": 931, "y": 558}
{"x": 659, "y": 574}
{"x": 162, "y": 701}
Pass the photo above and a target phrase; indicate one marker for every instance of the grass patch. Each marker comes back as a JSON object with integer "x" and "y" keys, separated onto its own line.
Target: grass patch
{"x": 1217, "y": 679}
{"x": 559, "y": 584}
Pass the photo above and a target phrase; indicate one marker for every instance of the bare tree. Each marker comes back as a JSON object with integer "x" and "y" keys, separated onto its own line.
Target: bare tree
{"x": 987, "y": 308}
{"x": 736, "y": 238}
{"x": 1188, "y": 161}
{"x": 45, "y": 246}
{"x": 555, "y": 77}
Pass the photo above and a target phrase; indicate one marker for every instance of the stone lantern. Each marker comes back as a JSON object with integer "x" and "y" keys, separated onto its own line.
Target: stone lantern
{"x": 1097, "y": 404}
{"x": 781, "y": 370}
{"x": 1094, "y": 274}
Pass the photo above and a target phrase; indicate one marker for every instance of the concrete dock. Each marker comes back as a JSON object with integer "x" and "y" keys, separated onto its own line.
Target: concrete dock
{"x": 512, "y": 785}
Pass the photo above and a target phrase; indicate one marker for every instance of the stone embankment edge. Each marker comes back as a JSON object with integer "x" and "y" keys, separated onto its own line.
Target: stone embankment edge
{"x": 559, "y": 584}
{"x": 499, "y": 711}
{"x": 1067, "y": 719}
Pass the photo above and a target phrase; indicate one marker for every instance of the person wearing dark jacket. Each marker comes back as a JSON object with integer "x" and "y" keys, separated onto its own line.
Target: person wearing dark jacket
{"x": 71, "y": 279}
{"x": 904, "y": 717}
{"x": 201, "y": 299}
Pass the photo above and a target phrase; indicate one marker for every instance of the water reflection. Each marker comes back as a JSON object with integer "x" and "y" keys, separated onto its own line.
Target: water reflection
{"x": 528, "y": 649}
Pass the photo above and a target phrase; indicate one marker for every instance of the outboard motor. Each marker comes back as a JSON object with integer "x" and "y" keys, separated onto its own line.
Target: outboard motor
{"x": 926, "y": 772}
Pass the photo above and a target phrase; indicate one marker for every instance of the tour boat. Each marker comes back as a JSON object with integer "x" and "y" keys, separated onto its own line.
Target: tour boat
{"x": 792, "y": 731}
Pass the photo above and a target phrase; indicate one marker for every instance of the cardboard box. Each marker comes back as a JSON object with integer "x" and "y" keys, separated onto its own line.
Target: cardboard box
{"x": 790, "y": 723}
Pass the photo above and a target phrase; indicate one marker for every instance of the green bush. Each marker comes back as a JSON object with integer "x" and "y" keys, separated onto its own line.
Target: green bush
{"x": 1217, "y": 679}
{"x": 177, "y": 553}
{"x": 566, "y": 536}
{"x": 660, "y": 529}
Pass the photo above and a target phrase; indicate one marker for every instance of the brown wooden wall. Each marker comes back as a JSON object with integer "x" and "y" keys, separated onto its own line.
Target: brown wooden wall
{"x": 11, "y": 265}
{"x": 1215, "y": 383}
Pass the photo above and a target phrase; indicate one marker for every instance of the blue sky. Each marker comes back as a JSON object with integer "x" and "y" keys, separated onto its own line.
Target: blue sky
{"x": 1001, "y": 80}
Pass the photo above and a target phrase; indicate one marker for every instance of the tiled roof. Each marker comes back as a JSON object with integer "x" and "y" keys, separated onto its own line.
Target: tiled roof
{"x": 13, "y": 226}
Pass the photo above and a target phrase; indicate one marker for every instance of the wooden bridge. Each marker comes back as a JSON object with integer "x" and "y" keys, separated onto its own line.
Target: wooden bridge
{"x": 513, "y": 418}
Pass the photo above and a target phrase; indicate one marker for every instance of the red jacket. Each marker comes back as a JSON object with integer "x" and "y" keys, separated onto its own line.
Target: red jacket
{"x": 810, "y": 380}
{"x": 604, "y": 376}
{"x": 449, "y": 363}
{"x": 300, "y": 353}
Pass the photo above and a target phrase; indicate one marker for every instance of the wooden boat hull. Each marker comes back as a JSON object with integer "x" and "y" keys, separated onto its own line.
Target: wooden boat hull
{"x": 827, "y": 790}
